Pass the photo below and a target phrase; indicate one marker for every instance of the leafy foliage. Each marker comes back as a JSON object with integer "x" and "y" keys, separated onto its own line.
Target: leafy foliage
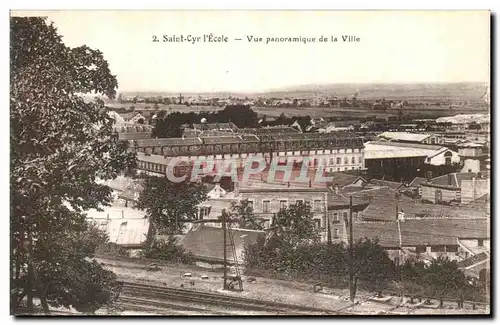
{"x": 246, "y": 218}
{"x": 372, "y": 264}
{"x": 170, "y": 126}
{"x": 169, "y": 204}
{"x": 167, "y": 250}
{"x": 295, "y": 225}
{"x": 60, "y": 145}
{"x": 112, "y": 249}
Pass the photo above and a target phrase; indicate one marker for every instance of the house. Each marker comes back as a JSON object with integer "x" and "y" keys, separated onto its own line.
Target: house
{"x": 475, "y": 189}
{"x": 129, "y": 131}
{"x": 266, "y": 199}
{"x": 415, "y": 185}
{"x": 408, "y": 137}
{"x": 339, "y": 208}
{"x": 392, "y": 185}
{"x": 206, "y": 243}
{"x": 385, "y": 204}
{"x": 462, "y": 122}
{"x": 133, "y": 117}
{"x": 400, "y": 161}
{"x": 425, "y": 238}
{"x": 448, "y": 188}
{"x": 338, "y": 126}
{"x": 125, "y": 226}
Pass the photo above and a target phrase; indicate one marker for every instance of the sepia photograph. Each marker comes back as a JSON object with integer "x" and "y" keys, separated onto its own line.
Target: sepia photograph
{"x": 250, "y": 163}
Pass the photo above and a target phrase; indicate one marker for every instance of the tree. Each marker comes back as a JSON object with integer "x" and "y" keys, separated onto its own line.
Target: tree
{"x": 167, "y": 250}
{"x": 295, "y": 225}
{"x": 60, "y": 145}
{"x": 161, "y": 114}
{"x": 168, "y": 205}
{"x": 444, "y": 278}
{"x": 243, "y": 211}
{"x": 372, "y": 264}
{"x": 474, "y": 126}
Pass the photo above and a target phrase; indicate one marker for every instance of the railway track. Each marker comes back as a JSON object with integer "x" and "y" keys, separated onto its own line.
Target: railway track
{"x": 198, "y": 301}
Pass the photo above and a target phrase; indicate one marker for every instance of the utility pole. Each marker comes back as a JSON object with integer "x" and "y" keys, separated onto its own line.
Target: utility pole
{"x": 351, "y": 254}
{"x": 225, "y": 244}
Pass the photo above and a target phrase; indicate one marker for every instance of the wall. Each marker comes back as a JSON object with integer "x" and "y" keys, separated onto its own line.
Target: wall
{"x": 470, "y": 152}
{"x": 472, "y": 166}
{"x": 441, "y": 159}
{"x": 429, "y": 193}
{"x": 329, "y": 159}
{"x": 258, "y": 199}
{"x": 474, "y": 189}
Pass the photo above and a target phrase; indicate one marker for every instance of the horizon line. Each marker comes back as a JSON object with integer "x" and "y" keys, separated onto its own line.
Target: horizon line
{"x": 294, "y": 87}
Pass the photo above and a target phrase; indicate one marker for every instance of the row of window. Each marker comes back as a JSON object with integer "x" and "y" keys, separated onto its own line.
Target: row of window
{"x": 337, "y": 216}
{"x": 339, "y": 169}
{"x": 338, "y": 160}
{"x": 266, "y": 205}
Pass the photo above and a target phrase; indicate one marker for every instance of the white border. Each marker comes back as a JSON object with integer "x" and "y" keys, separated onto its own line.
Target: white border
{"x": 190, "y": 4}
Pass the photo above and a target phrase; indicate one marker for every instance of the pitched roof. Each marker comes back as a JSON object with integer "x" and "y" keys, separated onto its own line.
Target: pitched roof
{"x": 421, "y": 232}
{"x": 389, "y": 184}
{"x": 384, "y": 150}
{"x": 207, "y": 243}
{"x": 474, "y": 259}
{"x": 342, "y": 179}
{"x": 451, "y": 180}
{"x": 417, "y": 181}
{"x": 341, "y": 200}
{"x": 404, "y": 136}
{"x": 385, "y": 232}
{"x": 442, "y": 231}
{"x": 384, "y": 201}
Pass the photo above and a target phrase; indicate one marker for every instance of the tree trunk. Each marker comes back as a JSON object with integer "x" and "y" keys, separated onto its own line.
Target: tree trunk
{"x": 43, "y": 300}
{"x": 29, "y": 283}
{"x": 355, "y": 285}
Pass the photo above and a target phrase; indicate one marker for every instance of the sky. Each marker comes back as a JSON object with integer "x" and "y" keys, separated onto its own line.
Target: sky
{"x": 393, "y": 47}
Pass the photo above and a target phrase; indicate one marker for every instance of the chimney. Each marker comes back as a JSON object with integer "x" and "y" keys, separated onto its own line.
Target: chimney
{"x": 449, "y": 178}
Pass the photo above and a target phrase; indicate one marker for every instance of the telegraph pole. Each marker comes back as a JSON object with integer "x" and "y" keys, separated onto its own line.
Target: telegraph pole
{"x": 225, "y": 244}
{"x": 351, "y": 254}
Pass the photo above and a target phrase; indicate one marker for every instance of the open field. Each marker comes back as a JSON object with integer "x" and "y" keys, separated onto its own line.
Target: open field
{"x": 311, "y": 111}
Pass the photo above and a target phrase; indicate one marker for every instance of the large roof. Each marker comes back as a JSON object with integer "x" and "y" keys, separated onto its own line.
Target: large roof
{"x": 385, "y": 232}
{"x": 384, "y": 202}
{"x": 130, "y": 127}
{"x": 384, "y": 150}
{"x": 404, "y": 136}
{"x": 207, "y": 242}
{"x": 452, "y": 180}
{"x": 444, "y": 231}
{"x": 126, "y": 231}
{"x": 422, "y": 232}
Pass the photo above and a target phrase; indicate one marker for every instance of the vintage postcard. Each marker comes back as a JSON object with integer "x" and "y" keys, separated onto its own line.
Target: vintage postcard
{"x": 250, "y": 163}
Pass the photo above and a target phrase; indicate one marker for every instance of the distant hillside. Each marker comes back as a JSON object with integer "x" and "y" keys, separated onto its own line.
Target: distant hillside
{"x": 455, "y": 91}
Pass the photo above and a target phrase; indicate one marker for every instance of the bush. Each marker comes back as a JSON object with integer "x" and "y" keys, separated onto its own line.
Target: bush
{"x": 112, "y": 249}
{"x": 167, "y": 250}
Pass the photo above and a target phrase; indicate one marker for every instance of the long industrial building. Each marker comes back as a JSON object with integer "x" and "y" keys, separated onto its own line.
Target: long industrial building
{"x": 339, "y": 151}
